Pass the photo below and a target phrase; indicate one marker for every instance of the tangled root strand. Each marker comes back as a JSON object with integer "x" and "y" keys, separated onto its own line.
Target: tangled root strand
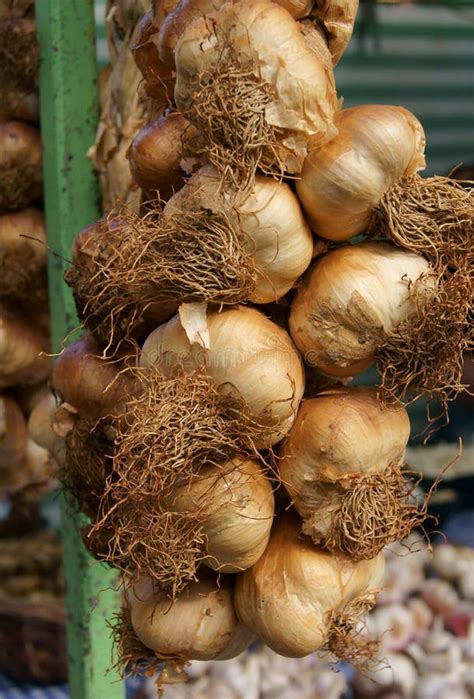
{"x": 345, "y": 639}
{"x": 371, "y": 512}
{"x": 229, "y": 110}
{"x": 423, "y": 356}
{"x": 432, "y": 216}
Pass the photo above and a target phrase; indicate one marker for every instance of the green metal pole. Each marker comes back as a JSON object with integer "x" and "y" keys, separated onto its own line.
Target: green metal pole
{"x": 69, "y": 112}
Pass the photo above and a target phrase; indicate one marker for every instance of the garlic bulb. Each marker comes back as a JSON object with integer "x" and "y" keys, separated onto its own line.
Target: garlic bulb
{"x": 22, "y": 254}
{"x": 40, "y": 428}
{"x": 235, "y": 504}
{"x": 365, "y": 180}
{"x": 254, "y": 89}
{"x": 176, "y": 22}
{"x": 342, "y": 181}
{"x": 110, "y": 308}
{"x": 95, "y": 386}
{"x": 246, "y": 355}
{"x": 13, "y": 435}
{"x": 394, "y": 670}
{"x": 23, "y": 351}
{"x": 293, "y": 595}
{"x": 352, "y": 296}
{"x": 264, "y": 239}
{"x": 201, "y": 624}
{"x": 297, "y": 8}
{"x": 21, "y": 175}
{"x": 156, "y": 152}
{"x": 352, "y": 499}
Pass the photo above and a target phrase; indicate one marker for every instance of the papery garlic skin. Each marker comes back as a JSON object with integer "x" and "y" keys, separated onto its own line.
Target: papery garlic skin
{"x": 274, "y": 233}
{"x": 287, "y": 597}
{"x": 342, "y": 181}
{"x": 350, "y": 298}
{"x": 200, "y": 625}
{"x": 264, "y": 35}
{"x": 340, "y": 434}
{"x": 235, "y": 502}
{"x": 23, "y": 351}
{"x": 338, "y": 18}
{"x": 247, "y": 354}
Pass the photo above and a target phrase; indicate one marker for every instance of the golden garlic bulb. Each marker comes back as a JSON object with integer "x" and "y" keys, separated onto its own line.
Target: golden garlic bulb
{"x": 274, "y": 237}
{"x": 23, "y": 351}
{"x": 341, "y": 466}
{"x": 200, "y": 625}
{"x": 254, "y": 89}
{"x": 291, "y": 596}
{"x": 236, "y": 506}
{"x": 351, "y": 297}
{"x": 23, "y": 254}
{"x": 245, "y": 354}
{"x": 342, "y": 181}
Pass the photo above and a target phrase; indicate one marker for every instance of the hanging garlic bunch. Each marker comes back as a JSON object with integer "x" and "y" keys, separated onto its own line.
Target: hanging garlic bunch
{"x": 372, "y": 303}
{"x": 21, "y": 178}
{"x": 351, "y": 498}
{"x": 235, "y": 504}
{"x": 365, "y": 181}
{"x": 253, "y": 88}
{"x": 201, "y": 624}
{"x": 214, "y": 388}
{"x": 299, "y": 599}
{"x": 203, "y": 247}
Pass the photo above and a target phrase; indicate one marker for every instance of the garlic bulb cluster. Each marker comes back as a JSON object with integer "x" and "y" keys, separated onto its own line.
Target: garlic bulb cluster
{"x": 247, "y": 64}
{"x": 201, "y": 624}
{"x": 351, "y": 298}
{"x": 235, "y": 503}
{"x": 342, "y": 181}
{"x": 354, "y": 499}
{"x": 244, "y": 354}
{"x": 291, "y": 597}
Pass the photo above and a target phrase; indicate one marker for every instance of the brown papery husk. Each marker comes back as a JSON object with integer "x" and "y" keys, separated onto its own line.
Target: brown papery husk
{"x": 423, "y": 356}
{"x": 18, "y": 104}
{"x": 19, "y": 52}
{"x": 228, "y": 109}
{"x": 372, "y": 511}
{"x": 188, "y": 255}
{"x": 345, "y": 640}
{"x": 164, "y": 437}
{"x": 433, "y": 216}
{"x": 23, "y": 257}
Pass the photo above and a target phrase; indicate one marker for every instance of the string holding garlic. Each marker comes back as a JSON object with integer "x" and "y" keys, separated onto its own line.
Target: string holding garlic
{"x": 365, "y": 180}
{"x": 352, "y": 499}
{"x": 203, "y": 247}
{"x": 254, "y": 90}
{"x": 299, "y": 598}
{"x": 373, "y": 303}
